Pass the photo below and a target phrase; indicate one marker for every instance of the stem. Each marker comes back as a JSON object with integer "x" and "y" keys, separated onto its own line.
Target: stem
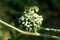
{"x": 50, "y": 29}
{"x": 29, "y": 33}
{"x": 35, "y": 29}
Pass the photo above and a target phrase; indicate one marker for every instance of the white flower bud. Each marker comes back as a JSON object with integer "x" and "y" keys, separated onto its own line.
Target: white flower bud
{"x": 23, "y": 22}
{"x": 41, "y": 16}
{"x": 28, "y": 25}
{"x": 30, "y": 20}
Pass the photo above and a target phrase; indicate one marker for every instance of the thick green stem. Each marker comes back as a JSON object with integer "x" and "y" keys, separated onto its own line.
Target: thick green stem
{"x": 29, "y": 33}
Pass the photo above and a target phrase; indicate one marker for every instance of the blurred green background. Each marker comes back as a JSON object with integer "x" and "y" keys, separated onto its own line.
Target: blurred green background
{"x": 11, "y": 10}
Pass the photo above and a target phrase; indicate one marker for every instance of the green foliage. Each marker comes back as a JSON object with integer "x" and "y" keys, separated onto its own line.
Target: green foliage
{"x": 1, "y": 33}
{"x": 16, "y": 7}
{"x": 12, "y": 10}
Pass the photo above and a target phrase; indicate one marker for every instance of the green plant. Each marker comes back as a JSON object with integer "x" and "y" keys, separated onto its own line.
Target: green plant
{"x": 32, "y": 32}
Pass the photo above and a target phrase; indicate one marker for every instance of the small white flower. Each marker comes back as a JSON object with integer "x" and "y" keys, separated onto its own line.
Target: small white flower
{"x": 30, "y": 28}
{"x": 36, "y": 20}
{"x": 35, "y": 24}
{"x": 41, "y": 16}
{"x": 28, "y": 15}
{"x": 32, "y": 11}
{"x": 28, "y": 25}
{"x": 31, "y": 20}
{"x": 22, "y": 18}
{"x": 41, "y": 19}
{"x": 26, "y": 28}
{"x": 27, "y": 22}
{"x": 23, "y": 22}
{"x": 35, "y": 15}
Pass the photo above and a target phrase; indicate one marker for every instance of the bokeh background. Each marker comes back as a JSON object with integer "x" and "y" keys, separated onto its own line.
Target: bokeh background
{"x": 11, "y": 10}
